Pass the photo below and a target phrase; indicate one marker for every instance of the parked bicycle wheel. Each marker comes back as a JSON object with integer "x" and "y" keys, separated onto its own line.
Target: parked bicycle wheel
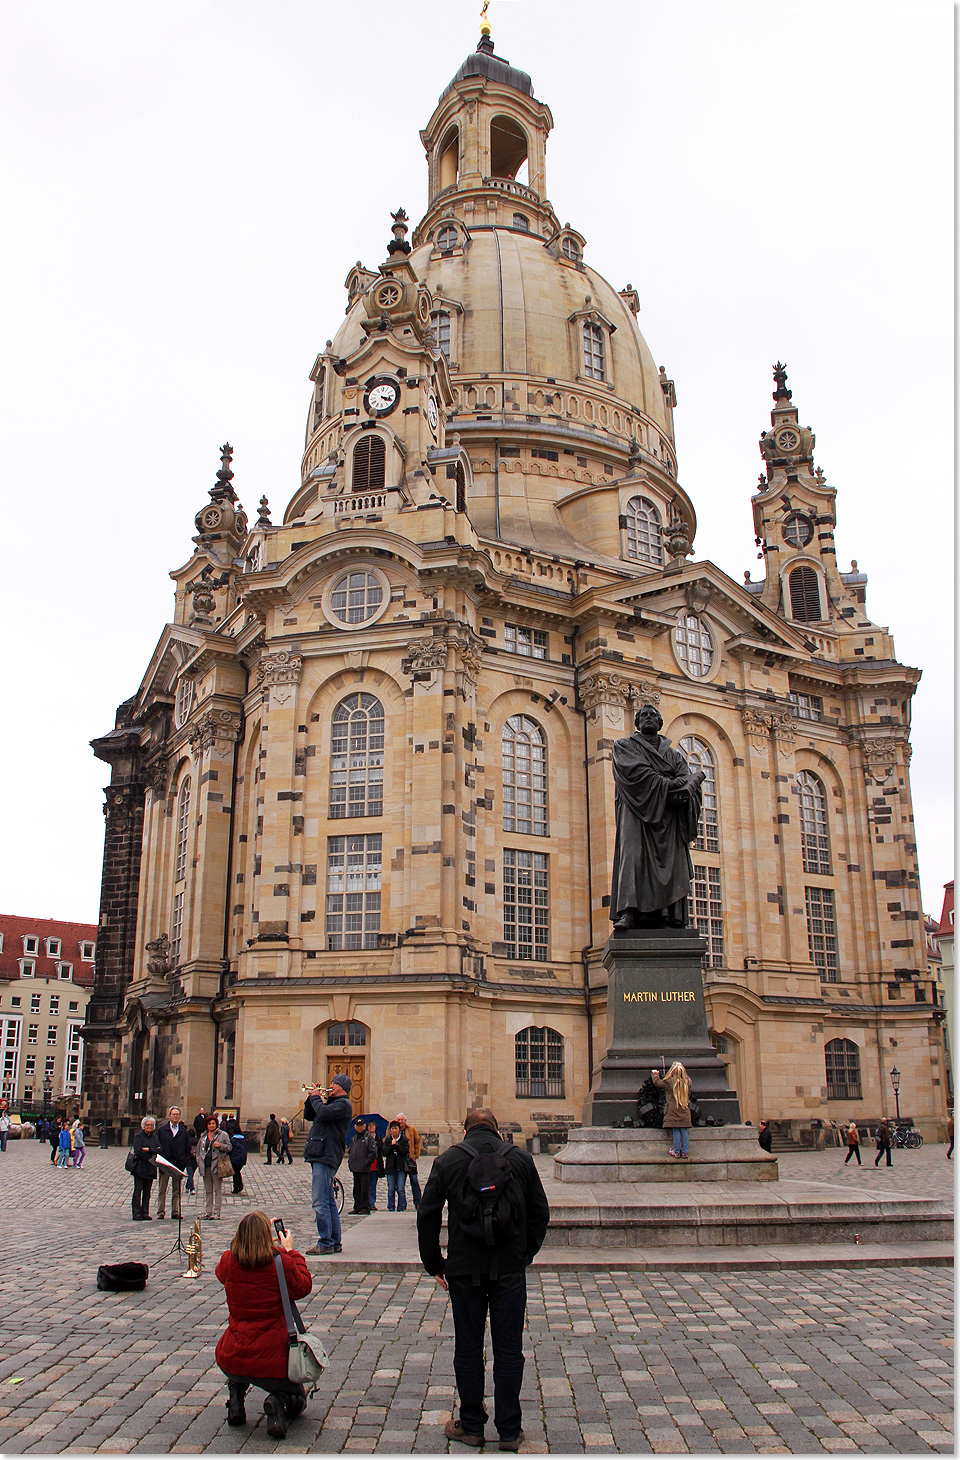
{"x": 914, "y": 1140}
{"x": 338, "y": 1192}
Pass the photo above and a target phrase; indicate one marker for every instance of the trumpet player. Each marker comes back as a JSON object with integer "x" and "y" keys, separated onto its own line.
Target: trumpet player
{"x": 330, "y": 1111}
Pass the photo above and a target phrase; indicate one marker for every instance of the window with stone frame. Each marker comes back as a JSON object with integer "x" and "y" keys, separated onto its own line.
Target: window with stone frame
{"x": 356, "y": 597}
{"x": 53, "y": 947}
{"x": 229, "y": 1065}
{"x": 533, "y": 643}
{"x": 176, "y": 930}
{"x": 822, "y": 933}
{"x": 644, "y": 531}
{"x": 571, "y": 249}
{"x": 814, "y": 832}
{"x": 806, "y": 707}
{"x": 448, "y": 236}
{"x": 805, "y": 604}
{"x": 526, "y": 904}
{"x": 354, "y": 873}
{"x": 594, "y": 361}
{"x": 183, "y": 824}
{"x": 700, "y": 758}
{"x": 369, "y": 464}
{"x": 694, "y": 643}
{"x": 73, "y": 1068}
{"x": 842, "y": 1061}
{"x": 343, "y": 1035}
{"x": 538, "y": 1055}
{"x": 707, "y": 912}
{"x": 356, "y": 757}
{"x": 522, "y": 222}
{"x": 442, "y": 330}
{"x": 524, "y": 777}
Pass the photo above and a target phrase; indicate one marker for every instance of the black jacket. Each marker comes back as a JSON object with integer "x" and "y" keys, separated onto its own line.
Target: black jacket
{"x": 145, "y": 1147}
{"x": 177, "y": 1147}
{"x": 200, "y": 1122}
{"x": 464, "y": 1257}
{"x": 765, "y": 1139}
{"x": 328, "y": 1134}
{"x": 395, "y": 1153}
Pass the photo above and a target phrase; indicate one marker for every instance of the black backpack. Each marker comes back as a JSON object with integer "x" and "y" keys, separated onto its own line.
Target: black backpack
{"x": 489, "y": 1202}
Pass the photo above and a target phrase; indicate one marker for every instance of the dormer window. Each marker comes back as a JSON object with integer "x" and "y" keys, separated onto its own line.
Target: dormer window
{"x": 87, "y": 951}
{"x": 65, "y": 971}
{"x": 53, "y": 947}
{"x": 447, "y": 237}
{"x": 441, "y": 326}
{"x": 644, "y": 531}
{"x": 27, "y": 968}
{"x": 30, "y": 943}
{"x": 594, "y": 366}
{"x": 571, "y": 249}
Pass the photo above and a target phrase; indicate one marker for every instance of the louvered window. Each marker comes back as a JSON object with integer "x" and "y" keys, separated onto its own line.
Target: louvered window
{"x": 805, "y": 596}
{"x": 369, "y": 464}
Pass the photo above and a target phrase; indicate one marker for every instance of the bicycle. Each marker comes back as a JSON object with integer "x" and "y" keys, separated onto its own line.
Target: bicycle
{"x": 338, "y": 1194}
{"x": 906, "y": 1139}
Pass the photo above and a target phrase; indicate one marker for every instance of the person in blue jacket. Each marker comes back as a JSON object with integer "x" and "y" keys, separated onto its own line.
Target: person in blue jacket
{"x": 331, "y": 1116}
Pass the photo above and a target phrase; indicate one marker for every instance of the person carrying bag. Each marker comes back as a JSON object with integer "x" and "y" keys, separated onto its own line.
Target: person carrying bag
{"x": 307, "y": 1357}
{"x": 256, "y": 1346}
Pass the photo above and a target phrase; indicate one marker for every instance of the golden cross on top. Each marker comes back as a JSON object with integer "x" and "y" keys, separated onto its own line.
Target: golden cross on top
{"x": 485, "y": 26}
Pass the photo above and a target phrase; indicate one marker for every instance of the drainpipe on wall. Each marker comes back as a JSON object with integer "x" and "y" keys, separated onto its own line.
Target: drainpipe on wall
{"x": 225, "y": 957}
{"x": 584, "y": 952}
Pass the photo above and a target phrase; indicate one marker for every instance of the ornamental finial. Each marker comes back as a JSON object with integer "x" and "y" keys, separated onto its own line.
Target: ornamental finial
{"x": 780, "y": 376}
{"x": 399, "y": 244}
{"x": 222, "y": 490}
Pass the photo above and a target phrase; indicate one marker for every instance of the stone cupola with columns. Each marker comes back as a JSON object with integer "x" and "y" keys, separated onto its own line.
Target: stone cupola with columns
{"x": 361, "y": 810}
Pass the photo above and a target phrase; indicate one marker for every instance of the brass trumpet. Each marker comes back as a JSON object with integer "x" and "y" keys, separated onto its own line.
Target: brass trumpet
{"x": 324, "y": 1094}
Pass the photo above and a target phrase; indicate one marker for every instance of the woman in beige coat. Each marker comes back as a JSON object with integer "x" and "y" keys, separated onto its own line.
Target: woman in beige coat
{"x": 213, "y": 1160}
{"x": 676, "y": 1115}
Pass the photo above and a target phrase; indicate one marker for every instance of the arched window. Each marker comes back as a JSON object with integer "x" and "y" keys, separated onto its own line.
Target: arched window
{"x": 814, "y": 837}
{"x": 805, "y": 596}
{"x": 184, "y": 701}
{"x": 447, "y": 236}
{"x": 449, "y": 159}
{"x": 521, "y": 221}
{"x": 508, "y": 147}
{"x": 441, "y": 324}
{"x": 369, "y": 464}
{"x": 644, "y": 531}
{"x": 700, "y": 758}
{"x": 356, "y": 757}
{"x": 593, "y": 362}
{"x": 694, "y": 646}
{"x": 570, "y": 249}
{"x": 524, "y": 777}
{"x": 461, "y": 488}
{"x": 346, "y": 1036}
{"x": 842, "y": 1059}
{"x": 539, "y": 1057}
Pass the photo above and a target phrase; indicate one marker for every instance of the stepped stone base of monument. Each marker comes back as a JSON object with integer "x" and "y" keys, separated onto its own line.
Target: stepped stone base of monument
{"x": 597, "y": 1154}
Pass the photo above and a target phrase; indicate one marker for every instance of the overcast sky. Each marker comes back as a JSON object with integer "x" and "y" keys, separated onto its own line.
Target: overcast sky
{"x": 187, "y": 184}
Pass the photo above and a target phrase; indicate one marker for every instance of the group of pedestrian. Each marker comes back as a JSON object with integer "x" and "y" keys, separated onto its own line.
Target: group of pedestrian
{"x": 276, "y": 1139}
{"x": 66, "y": 1141}
{"x": 394, "y": 1157}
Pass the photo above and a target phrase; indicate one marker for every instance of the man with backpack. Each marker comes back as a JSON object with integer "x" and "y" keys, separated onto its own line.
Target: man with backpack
{"x": 497, "y": 1219}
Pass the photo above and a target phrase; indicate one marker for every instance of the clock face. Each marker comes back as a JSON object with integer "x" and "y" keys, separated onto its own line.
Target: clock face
{"x": 433, "y": 415}
{"x": 382, "y": 397}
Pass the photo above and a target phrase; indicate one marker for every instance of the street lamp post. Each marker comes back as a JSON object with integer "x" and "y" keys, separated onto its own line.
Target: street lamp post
{"x": 895, "y": 1082}
{"x": 47, "y": 1087}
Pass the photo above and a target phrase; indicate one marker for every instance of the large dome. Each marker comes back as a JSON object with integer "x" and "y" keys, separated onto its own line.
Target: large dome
{"x": 517, "y": 301}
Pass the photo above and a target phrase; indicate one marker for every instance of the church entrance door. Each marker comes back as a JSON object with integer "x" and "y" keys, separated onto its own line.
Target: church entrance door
{"x": 353, "y": 1065}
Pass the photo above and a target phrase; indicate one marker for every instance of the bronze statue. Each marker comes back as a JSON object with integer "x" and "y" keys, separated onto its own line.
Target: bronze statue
{"x": 658, "y": 803}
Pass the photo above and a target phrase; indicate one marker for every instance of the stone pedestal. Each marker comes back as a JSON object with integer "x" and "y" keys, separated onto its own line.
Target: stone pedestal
{"x": 657, "y": 1015}
{"x": 717, "y": 1153}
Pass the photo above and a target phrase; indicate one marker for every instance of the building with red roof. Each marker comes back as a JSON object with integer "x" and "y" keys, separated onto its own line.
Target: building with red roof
{"x": 46, "y": 975}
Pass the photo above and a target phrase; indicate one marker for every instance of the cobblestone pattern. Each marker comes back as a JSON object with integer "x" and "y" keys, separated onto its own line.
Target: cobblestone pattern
{"x": 822, "y": 1360}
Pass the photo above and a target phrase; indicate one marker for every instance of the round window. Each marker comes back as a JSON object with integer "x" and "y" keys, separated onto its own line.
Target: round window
{"x": 694, "y": 646}
{"x": 357, "y": 597}
{"x": 797, "y": 529}
{"x": 571, "y": 248}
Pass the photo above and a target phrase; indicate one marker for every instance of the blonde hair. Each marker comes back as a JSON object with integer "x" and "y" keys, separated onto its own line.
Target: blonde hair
{"x": 252, "y": 1243}
{"x": 680, "y": 1082}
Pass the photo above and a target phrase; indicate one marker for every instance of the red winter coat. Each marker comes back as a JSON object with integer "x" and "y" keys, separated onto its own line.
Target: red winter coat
{"x": 255, "y": 1342}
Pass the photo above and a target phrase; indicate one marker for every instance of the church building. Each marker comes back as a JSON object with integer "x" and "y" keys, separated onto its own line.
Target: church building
{"x": 361, "y": 810}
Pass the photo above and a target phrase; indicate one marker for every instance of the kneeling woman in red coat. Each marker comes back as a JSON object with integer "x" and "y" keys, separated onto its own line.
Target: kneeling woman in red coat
{"x": 254, "y": 1348}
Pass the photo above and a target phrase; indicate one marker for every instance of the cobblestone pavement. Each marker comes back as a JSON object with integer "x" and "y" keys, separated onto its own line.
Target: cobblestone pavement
{"x": 819, "y": 1360}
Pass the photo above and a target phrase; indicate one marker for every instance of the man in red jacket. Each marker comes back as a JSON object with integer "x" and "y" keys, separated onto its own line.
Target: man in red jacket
{"x": 254, "y": 1348}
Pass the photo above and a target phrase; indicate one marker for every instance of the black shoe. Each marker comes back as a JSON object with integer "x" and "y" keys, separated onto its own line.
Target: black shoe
{"x": 513, "y": 1444}
{"x": 276, "y": 1423}
{"x": 236, "y": 1414}
{"x": 293, "y": 1405}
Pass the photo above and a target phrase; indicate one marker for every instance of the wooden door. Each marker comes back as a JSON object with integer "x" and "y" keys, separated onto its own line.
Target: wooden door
{"x": 353, "y": 1065}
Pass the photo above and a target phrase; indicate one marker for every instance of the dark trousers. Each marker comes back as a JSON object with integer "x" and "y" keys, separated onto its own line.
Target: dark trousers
{"x": 414, "y": 1187}
{"x": 854, "y": 1151}
{"x": 141, "y": 1197}
{"x": 273, "y": 1149}
{"x": 285, "y": 1390}
{"x": 506, "y": 1299}
{"x": 237, "y": 1180}
{"x": 285, "y": 1149}
{"x": 880, "y": 1153}
{"x": 361, "y": 1191}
